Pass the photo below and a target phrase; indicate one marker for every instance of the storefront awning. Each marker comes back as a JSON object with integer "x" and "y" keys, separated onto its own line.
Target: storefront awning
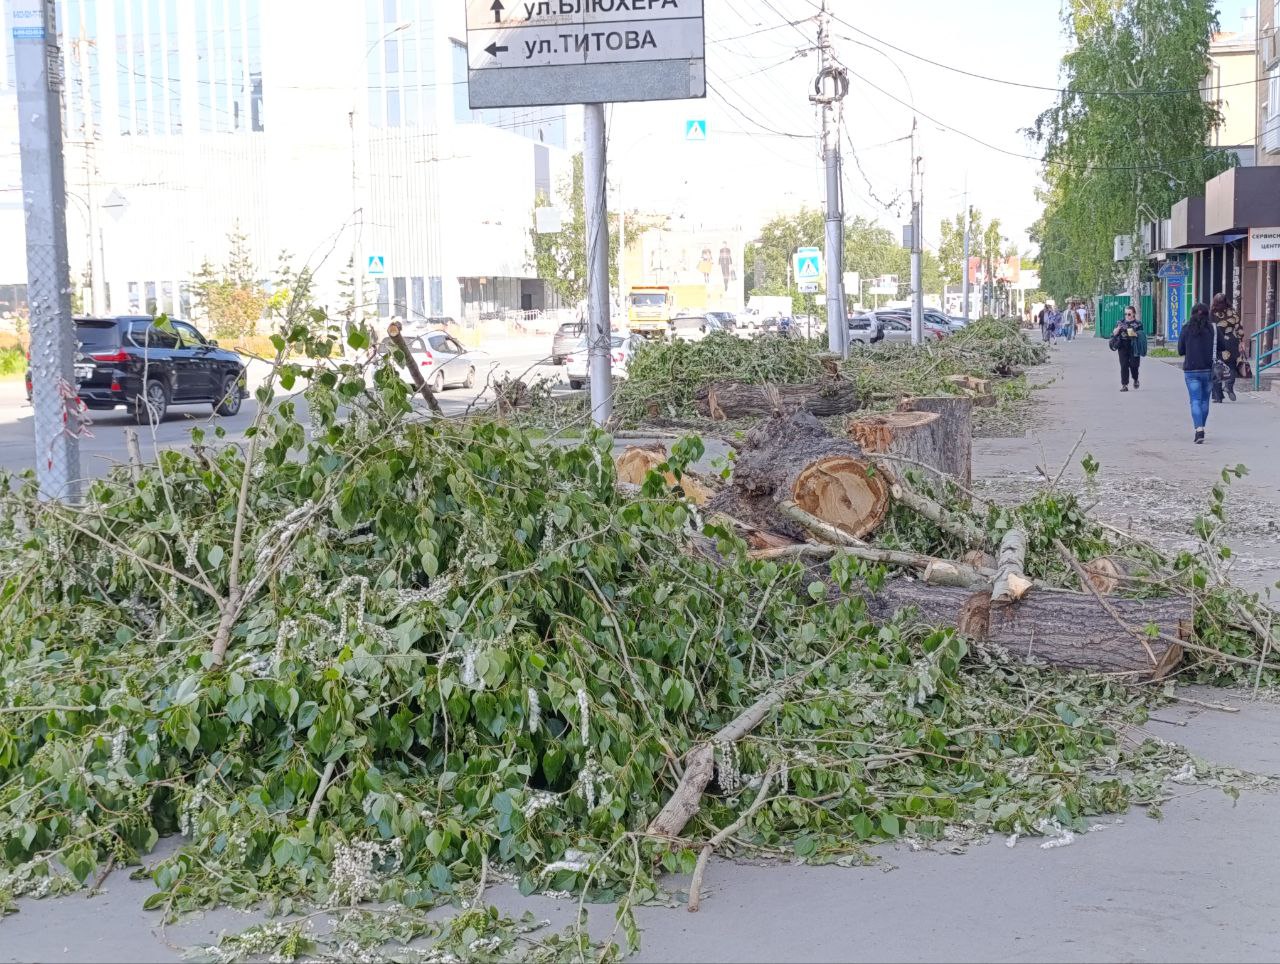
{"x": 1187, "y": 224}
{"x": 1242, "y": 198}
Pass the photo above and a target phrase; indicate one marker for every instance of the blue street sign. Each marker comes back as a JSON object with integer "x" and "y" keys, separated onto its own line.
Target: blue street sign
{"x": 695, "y": 130}
{"x": 1175, "y": 302}
{"x": 377, "y": 266}
{"x": 1172, "y": 269}
{"x": 808, "y": 265}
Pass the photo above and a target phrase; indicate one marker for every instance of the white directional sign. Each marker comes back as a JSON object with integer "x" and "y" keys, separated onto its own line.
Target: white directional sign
{"x": 531, "y": 52}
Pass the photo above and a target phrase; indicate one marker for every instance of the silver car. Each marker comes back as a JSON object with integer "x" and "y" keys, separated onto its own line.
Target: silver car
{"x": 443, "y": 361}
{"x": 894, "y": 328}
{"x": 565, "y": 340}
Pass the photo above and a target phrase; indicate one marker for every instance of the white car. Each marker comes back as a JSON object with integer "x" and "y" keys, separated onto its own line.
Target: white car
{"x": 441, "y": 358}
{"x": 576, "y": 364}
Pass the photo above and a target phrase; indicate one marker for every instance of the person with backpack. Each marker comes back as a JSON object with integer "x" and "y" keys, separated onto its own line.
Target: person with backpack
{"x": 1129, "y": 342}
{"x": 1198, "y": 346}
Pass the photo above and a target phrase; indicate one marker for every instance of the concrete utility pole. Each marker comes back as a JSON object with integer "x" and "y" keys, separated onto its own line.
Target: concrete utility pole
{"x": 829, "y": 90}
{"x": 38, "y": 67}
{"x": 968, "y": 217}
{"x": 599, "y": 337}
{"x": 917, "y": 254}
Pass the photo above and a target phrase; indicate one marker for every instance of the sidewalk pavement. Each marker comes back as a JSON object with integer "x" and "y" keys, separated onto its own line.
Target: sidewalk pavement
{"x": 1153, "y": 477}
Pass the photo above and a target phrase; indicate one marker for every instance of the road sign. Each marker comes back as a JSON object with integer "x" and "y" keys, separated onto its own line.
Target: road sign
{"x": 886, "y": 284}
{"x": 524, "y": 53}
{"x": 852, "y": 283}
{"x": 808, "y": 265}
{"x": 695, "y": 130}
{"x": 377, "y": 266}
{"x": 809, "y": 288}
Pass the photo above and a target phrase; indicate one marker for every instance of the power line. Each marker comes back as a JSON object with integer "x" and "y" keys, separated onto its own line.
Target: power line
{"x": 753, "y": 121}
{"x": 1032, "y": 157}
{"x": 1137, "y": 92}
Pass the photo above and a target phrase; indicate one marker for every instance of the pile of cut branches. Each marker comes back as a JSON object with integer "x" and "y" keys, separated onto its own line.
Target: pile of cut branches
{"x": 393, "y": 659}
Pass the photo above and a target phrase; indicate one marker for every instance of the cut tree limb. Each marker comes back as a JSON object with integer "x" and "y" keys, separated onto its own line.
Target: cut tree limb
{"x": 816, "y": 527}
{"x": 700, "y": 762}
{"x": 700, "y": 869}
{"x": 1063, "y": 629}
{"x": 729, "y": 400}
{"x": 947, "y": 521}
{"x": 941, "y": 572}
{"x": 1011, "y": 581}
{"x": 956, "y": 414}
{"x": 420, "y": 383}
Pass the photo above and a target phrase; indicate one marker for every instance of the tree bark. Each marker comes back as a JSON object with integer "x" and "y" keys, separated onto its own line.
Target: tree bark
{"x": 956, "y": 431}
{"x": 1066, "y": 630}
{"x": 794, "y": 459}
{"x": 726, "y": 400}
{"x": 1011, "y": 581}
{"x": 1112, "y": 574}
{"x": 424, "y": 389}
{"x": 636, "y": 462}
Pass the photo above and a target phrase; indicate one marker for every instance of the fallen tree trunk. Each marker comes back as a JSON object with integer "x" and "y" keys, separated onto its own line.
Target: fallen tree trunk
{"x": 1066, "y": 630}
{"x": 636, "y": 462}
{"x": 956, "y": 431}
{"x": 828, "y": 396}
{"x": 795, "y": 460}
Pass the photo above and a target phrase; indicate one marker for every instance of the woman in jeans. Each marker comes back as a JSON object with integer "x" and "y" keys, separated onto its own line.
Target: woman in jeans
{"x": 1195, "y": 345}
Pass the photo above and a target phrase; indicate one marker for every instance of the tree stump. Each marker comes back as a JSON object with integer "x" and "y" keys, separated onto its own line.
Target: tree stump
{"x": 795, "y": 460}
{"x": 954, "y": 431}
{"x": 919, "y": 437}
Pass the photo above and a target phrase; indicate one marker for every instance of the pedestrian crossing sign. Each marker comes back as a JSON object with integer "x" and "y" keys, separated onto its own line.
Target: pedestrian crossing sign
{"x": 377, "y": 266}
{"x": 808, "y": 265}
{"x": 695, "y": 130}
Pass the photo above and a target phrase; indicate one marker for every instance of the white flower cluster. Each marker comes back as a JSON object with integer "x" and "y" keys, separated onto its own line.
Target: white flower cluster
{"x": 584, "y": 708}
{"x": 535, "y": 711}
{"x": 255, "y": 942}
{"x": 469, "y": 665}
{"x": 589, "y": 778}
{"x": 1059, "y": 836}
{"x": 285, "y": 635}
{"x": 538, "y": 800}
{"x": 191, "y": 808}
{"x": 117, "y": 748}
{"x": 353, "y": 877}
{"x": 728, "y": 768}
{"x": 574, "y": 860}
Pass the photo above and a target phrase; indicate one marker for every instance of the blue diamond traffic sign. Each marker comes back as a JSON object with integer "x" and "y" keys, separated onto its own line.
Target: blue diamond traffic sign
{"x": 377, "y": 267}
{"x": 695, "y": 130}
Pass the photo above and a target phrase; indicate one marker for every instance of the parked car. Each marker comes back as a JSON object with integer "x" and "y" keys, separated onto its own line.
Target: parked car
{"x": 146, "y": 367}
{"x": 895, "y": 329}
{"x": 726, "y": 319}
{"x": 416, "y": 326}
{"x": 565, "y": 340}
{"x": 578, "y": 370}
{"x": 693, "y": 327}
{"x": 932, "y": 326}
{"x": 443, "y": 361}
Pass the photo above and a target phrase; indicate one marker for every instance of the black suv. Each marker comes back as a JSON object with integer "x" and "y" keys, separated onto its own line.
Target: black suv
{"x": 132, "y": 361}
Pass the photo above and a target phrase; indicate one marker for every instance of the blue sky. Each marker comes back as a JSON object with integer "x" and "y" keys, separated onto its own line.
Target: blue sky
{"x": 743, "y": 175}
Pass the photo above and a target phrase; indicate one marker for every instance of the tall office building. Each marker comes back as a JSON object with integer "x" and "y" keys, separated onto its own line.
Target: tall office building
{"x": 324, "y": 130}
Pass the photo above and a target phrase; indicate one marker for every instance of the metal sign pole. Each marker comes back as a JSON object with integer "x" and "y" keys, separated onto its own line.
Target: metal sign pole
{"x": 599, "y": 339}
{"x": 38, "y": 68}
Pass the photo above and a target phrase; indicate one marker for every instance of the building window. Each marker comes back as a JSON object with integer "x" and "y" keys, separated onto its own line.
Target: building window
{"x": 419, "y": 299}
{"x": 461, "y": 107}
{"x": 384, "y": 298}
{"x": 391, "y": 54}
{"x": 393, "y": 108}
{"x": 402, "y": 299}
{"x": 437, "y": 296}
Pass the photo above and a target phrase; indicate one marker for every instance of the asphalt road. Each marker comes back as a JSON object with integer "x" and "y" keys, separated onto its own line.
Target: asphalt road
{"x": 106, "y": 447}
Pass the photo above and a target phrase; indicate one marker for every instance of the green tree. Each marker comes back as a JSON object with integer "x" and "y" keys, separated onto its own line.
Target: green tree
{"x": 1127, "y": 136}
{"x": 229, "y": 296}
{"x": 292, "y": 300}
{"x": 560, "y": 259}
{"x": 951, "y": 245}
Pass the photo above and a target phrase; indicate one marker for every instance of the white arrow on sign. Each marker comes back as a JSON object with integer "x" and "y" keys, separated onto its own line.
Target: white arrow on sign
{"x": 575, "y": 44}
{"x": 482, "y": 14}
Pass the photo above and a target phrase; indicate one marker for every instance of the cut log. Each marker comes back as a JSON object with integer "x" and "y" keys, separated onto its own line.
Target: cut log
{"x": 828, "y": 396}
{"x": 794, "y": 459}
{"x": 1112, "y": 574}
{"x": 1011, "y": 581}
{"x": 1063, "y": 629}
{"x": 979, "y": 559}
{"x": 940, "y": 572}
{"x": 970, "y": 383}
{"x": 636, "y": 462}
{"x": 955, "y": 455}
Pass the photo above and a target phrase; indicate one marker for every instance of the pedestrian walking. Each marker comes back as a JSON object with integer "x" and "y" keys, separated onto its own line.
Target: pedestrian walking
{"x": 1129, "y": 342}
{"x": 1055, "y": 322}
{"x": 1197, "y": 344}
{"x": 1043, "y": 318}
{"x": 1067, "y": 326}
{"x": 1082, "y": 318}
{"x": 1230, "y": 332}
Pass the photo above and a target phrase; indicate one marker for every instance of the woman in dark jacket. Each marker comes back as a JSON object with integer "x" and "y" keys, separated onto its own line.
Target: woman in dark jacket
{"x": 1195, "y": 345}
{"x": 1230, "y": 334}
